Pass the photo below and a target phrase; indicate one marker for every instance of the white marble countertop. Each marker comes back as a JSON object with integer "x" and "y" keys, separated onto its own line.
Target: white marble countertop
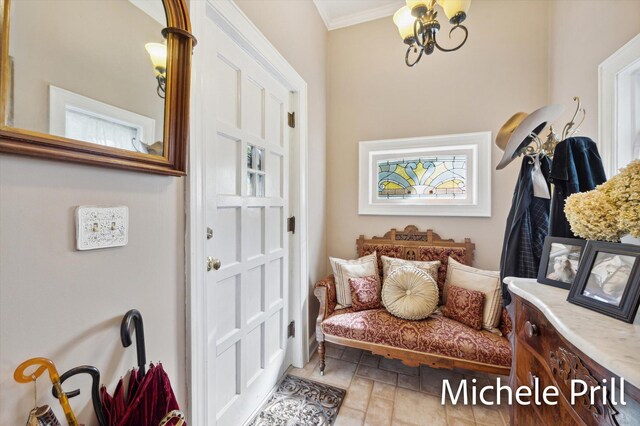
{"x": 611, "y": 343}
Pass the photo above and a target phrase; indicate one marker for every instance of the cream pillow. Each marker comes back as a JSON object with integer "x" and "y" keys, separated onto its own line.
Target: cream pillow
{"x": 410, "y": 293}
{"x": 487, "y": 282}
{"x": 389, "y": 264}
{"x": 345, "y": 269}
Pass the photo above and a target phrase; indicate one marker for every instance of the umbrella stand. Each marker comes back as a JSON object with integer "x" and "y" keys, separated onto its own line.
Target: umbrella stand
{"x": 95, "y": 391}
{"x": 125, "y": 336}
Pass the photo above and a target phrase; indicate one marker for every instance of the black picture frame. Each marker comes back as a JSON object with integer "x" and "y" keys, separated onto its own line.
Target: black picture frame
{"x": 543, "y": 270}
{"x": 598, "y": 271}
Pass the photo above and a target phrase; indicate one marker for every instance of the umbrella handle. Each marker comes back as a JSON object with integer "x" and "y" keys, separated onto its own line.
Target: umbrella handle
{"x": 125, "y": 336}
{"x": 46, "y": 364}
{"x": 95, "y": 391}
{"x": 174, "y": 414}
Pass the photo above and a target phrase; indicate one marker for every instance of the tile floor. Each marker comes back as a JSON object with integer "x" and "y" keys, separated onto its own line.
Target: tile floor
{"x": 383, "y": 392}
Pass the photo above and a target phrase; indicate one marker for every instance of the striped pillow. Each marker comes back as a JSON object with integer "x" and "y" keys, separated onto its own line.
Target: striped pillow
{"x": 345, "y": 269}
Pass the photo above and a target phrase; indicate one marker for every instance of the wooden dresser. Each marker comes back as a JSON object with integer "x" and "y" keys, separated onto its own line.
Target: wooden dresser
{"x": 555, "y": 342}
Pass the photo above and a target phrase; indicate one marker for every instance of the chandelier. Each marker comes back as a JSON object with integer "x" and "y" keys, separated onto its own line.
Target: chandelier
{"x": 419, "y": 27}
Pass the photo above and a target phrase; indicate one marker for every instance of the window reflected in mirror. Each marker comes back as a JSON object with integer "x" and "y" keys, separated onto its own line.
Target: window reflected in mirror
{"x": 92, "y": 71}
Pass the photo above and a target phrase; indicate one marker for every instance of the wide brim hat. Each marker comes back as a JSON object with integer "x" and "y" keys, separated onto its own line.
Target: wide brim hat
{"x": 516, "y": 133}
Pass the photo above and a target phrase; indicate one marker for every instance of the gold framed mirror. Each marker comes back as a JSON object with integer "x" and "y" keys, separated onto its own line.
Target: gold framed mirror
{"x": 103, "y": 83}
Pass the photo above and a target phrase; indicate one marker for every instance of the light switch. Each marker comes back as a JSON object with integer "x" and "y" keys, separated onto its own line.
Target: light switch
{"x": 101, "y": 227}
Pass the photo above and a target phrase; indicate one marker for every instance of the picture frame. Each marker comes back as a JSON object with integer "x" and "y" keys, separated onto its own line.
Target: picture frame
{"x": 10, "y": 94}
{"x": 446, "y": 175}
{"x": 608, "y": 280}
{"x": 560, "y": 261}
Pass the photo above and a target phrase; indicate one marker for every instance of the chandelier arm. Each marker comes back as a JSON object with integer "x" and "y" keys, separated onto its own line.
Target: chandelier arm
{"x": 466, "y": 35}
{"x": 406, "y": 56}
{"x": 418, "y": 34}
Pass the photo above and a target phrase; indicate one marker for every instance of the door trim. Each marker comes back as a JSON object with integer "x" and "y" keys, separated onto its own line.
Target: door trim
{"x": 228, "y": 16}
{"x": 609, "y": 73}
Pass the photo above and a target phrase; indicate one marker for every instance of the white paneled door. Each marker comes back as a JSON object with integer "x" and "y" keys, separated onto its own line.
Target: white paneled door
{"x": 247, "y": 191}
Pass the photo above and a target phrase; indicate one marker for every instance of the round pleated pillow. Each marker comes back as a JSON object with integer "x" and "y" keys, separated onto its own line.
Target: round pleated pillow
{"x": 410, "y": 293}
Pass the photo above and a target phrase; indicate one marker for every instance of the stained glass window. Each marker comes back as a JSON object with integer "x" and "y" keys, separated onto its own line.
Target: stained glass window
{"x": 426, "y": 177}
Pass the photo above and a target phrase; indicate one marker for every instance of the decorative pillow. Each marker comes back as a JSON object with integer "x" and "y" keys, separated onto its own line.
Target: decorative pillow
{"x": 487, "y": 282}
{"x": 465, "y": 306}
{"x": 389, "y": 264}
{"x": 410, "y": 293}
{"x": 345, "y": 269}
{"x": 365, "y": 293}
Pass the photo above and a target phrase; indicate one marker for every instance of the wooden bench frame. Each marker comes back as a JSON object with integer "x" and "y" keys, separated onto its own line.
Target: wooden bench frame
{"x": 409, "y": 239}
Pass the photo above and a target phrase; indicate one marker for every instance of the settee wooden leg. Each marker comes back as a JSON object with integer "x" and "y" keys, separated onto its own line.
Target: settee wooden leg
{"x": 321, "y": 355}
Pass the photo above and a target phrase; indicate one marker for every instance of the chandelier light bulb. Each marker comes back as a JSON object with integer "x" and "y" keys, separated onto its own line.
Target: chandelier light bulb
{"x": 454, "y": 7}
{"x": 404, "y": 21}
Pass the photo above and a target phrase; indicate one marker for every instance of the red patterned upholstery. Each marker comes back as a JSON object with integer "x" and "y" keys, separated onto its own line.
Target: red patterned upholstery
{"x": 505, "y": 323}
{"x": 365, "y": 293}
{"x": 435, "y": 335}
{"x": 424, "y": 254}
{"x": 442, "y": 254}
{"x": 382, "y": 250}
{"x": 465, "y": 306}
{"x": 329, "y": 283}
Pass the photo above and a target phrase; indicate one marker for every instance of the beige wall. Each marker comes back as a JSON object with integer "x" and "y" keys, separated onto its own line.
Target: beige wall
{"x": 297, "y": 31}
{"x": 584, "y": 34}
{"x": 372, "y": 94}
{"x": 67, "y": 305}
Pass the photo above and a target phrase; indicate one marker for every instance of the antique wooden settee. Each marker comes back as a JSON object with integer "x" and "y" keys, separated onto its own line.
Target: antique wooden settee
{"x": 436, "y": 341}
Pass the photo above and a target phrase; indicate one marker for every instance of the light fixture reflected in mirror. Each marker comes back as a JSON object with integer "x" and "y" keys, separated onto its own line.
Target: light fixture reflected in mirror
{"x": 158, "y": 54}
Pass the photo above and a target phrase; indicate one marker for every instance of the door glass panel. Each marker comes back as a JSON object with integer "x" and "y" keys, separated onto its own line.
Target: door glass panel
{"x": 255, "y": 171}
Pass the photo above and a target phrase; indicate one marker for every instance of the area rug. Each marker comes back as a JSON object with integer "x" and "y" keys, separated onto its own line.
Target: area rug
{"x": 298, "y": 401}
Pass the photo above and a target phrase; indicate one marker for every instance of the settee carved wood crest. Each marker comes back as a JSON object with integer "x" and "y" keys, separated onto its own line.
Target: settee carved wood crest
{"x": 567, "y": 366}
{"x": 410, "y": 239}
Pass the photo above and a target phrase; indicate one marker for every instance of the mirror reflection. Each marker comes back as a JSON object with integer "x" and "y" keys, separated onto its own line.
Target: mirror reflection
{"x": 93, "y": 71}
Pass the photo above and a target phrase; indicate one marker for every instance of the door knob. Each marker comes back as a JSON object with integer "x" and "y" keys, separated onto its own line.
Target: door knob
{"x": 213, "y": 263}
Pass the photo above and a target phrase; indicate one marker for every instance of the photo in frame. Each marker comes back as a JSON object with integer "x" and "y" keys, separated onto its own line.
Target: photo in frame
{"x": 608, "y": 280}
{"x": 560, "y": 261}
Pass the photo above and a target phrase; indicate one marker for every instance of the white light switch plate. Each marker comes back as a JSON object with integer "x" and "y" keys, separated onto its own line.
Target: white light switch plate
{"x": 101, "y": 227}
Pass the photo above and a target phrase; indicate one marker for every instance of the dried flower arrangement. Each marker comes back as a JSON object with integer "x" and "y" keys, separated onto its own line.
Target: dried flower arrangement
{"x": 610, "y": 211}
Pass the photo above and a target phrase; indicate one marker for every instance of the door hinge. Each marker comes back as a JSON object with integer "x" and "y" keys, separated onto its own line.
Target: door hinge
{"x": 291, "y": 224}
{"x": 292, "y": 120}
{"x": 291, "y": 329}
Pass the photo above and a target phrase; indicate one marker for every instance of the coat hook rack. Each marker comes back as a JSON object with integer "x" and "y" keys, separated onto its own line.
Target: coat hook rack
{"x": 125, "y": 336}
{"x": 538, "y": 148}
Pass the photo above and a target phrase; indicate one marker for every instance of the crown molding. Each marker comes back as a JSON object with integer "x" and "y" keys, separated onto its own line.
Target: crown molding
{"x": 354, "y": 18}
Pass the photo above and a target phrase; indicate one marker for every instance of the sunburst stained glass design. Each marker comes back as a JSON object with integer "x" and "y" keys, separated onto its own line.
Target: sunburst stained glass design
{"x": 426, "y": 177}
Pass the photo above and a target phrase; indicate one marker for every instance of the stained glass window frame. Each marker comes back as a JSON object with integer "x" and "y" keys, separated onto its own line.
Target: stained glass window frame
{"x": 475, "y": 148}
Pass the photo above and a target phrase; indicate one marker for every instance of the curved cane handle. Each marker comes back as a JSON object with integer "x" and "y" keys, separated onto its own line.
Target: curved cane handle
{"x": 45, "y": 364}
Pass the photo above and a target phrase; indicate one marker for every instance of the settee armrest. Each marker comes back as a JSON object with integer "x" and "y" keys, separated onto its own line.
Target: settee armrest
{"x": 325, "y": 291}
{"x": 505, "y": 323}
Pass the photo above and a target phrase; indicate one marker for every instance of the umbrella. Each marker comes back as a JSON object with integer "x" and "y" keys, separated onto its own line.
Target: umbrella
{"x": 149, "y": 396}
{"x": 153, "y": 400}
{"x": 95, "y": 394}
{"x": 46, "y": 364}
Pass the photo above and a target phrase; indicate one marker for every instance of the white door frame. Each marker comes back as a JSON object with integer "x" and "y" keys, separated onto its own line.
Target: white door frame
{"x": 237, "y": 25}
{"x": 610, "y": 72}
